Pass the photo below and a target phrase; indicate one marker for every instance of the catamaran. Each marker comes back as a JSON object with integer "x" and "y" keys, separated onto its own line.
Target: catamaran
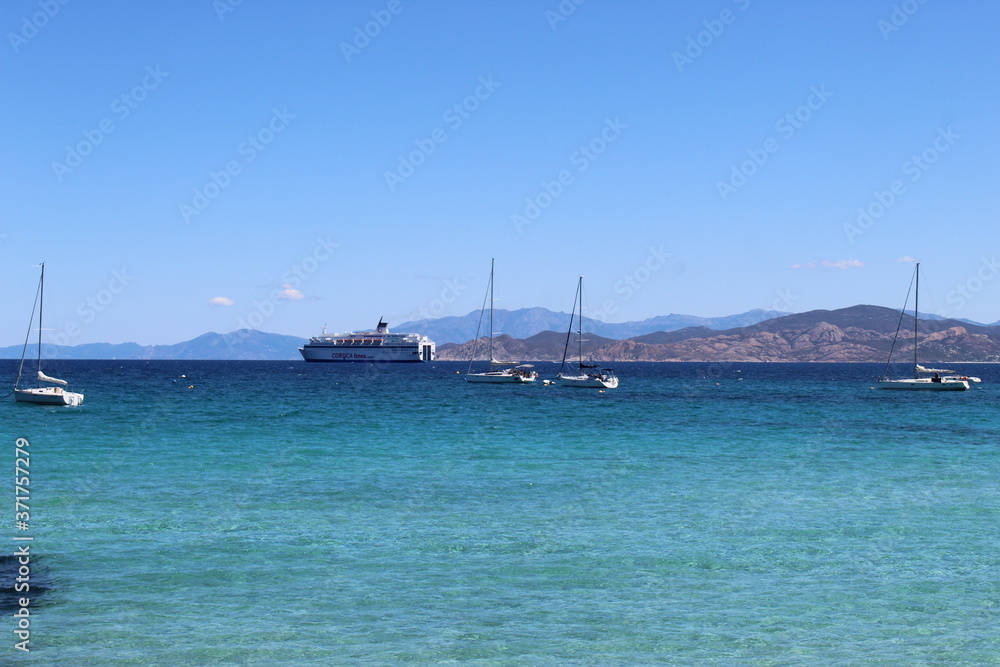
{"x": 924, "y": 379}
{"x": 587, "y": 375}
{"x": 42, "y": 394}
{"x": 500, "y": 372}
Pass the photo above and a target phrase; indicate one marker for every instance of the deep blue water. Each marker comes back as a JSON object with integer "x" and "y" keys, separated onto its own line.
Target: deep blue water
{"x": 283, "y": 513}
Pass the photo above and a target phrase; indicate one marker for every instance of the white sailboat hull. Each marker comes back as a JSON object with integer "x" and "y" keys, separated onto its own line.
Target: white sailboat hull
{"x": 588, "y": 381}
{"x": 48, "y": 396}
{"x": 499, "y": 377}
{"x": 925, "y": 384}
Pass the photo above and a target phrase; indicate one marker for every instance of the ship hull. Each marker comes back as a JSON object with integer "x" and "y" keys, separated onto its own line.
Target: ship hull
{"x": 348, "y": 354}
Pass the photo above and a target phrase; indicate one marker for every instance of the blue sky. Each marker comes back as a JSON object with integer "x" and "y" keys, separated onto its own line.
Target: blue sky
{"x": 200, "y": 165}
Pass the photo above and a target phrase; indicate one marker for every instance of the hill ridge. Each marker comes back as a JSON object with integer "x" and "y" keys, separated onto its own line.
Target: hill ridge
{"x": 856, "y": 333}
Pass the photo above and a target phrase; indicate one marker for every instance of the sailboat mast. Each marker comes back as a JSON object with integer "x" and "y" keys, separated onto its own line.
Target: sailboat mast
{"x": 579, "y": 294}
{"x": 41, "y": 304}
{"x": 916, "y": 314}
{"x": 491, "y": 313}
{"x": 569, "y": 333}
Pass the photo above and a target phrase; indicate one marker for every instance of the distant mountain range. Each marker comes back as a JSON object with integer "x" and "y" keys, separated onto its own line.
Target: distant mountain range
{"x": 245, "y": 344}
{"x": 530, "y": 321}
{"x": 858, "y": 333}
{"x": 251, "y": 344}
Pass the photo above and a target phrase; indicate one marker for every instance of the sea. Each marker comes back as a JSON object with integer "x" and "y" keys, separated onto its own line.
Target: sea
{"x": 285, "y": 513}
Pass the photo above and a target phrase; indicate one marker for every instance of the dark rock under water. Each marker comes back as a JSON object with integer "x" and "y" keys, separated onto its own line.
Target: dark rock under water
{"x": 38, "y": 582}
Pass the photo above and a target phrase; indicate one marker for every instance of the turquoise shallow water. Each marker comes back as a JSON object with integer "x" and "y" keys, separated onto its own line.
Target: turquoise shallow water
{"x": 279, "y": 513}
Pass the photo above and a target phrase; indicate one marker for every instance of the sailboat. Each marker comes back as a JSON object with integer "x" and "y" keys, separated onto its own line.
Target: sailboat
{"x": 497, "y": 374}
{"x": 42, "y": 394}
{"x": 587, "y": 375}
{"x": 920, "y": 380}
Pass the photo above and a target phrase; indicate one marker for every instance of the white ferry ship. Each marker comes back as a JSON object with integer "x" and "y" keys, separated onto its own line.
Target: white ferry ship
{"x": 369, "y": 346}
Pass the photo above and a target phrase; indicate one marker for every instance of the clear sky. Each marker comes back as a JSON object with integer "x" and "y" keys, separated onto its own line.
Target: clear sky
{"x": 185, "y": 166}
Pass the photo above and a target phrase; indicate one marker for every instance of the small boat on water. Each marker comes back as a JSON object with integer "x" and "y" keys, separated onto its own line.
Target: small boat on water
{"x": 500, "y": 372}
{"x": 587, "y": 375}
{"x": 924, "y": 379}
{"x": 42, "y": 394}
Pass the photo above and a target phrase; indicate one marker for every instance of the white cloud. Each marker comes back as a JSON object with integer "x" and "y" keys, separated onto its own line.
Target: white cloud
{"x": 289, "y": 294}
{"x": 220, "y": 301}
{"x": 842, "y": 263}
{"x": 905, "y": 258}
